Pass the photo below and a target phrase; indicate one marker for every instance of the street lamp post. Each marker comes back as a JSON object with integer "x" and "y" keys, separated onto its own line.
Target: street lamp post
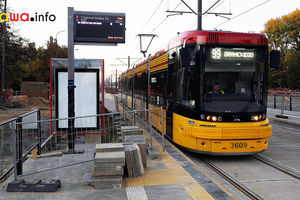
{"x": 56, "y": 38}
{"x": 3, "y": 59}
{"x": 58, "y": 34}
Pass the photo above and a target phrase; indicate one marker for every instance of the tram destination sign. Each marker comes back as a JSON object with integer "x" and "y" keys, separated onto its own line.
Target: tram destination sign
{"x": 231, "y": 54}
{"x": 99, "y": 27}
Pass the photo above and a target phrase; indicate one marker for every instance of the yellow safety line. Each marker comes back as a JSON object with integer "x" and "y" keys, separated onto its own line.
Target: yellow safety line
{"x": 186, "y": 180}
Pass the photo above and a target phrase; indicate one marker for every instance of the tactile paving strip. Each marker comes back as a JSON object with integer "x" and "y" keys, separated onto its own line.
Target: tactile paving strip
{"x": 136, "y": 193}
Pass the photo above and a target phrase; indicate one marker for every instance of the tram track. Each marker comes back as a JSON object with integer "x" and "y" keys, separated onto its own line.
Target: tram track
{"x": 238, "y": 185}
{"x": 285, "y": 169}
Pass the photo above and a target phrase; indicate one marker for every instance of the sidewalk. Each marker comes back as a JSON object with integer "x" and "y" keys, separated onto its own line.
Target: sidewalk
{"x": 293, "y": 117}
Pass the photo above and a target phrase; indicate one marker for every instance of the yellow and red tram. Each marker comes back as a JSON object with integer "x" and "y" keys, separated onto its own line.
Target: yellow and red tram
{"x": 183, "y": 79}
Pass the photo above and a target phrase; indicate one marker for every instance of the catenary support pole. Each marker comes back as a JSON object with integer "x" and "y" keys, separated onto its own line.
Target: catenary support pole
{"x": 199, "y": 15}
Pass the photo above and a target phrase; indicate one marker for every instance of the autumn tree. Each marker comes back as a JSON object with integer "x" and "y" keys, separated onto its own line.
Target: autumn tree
{"x": 17, "y": 52}
{"x": 293, "y": 71}
{"x": 284, "y": 35}
{"x": 24, "y": 62}
{"x": 39, "y": 68}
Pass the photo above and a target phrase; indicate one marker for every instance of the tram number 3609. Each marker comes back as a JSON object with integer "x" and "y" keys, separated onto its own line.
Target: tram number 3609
{"x": 238, "y": 145}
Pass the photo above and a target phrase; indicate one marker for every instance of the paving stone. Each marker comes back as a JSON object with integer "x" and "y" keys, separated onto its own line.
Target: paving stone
{"x": 139, "y": 162}
{"x": 107, "y": 179}
{"x": 140, "y": 140}
{"x": 118, "y": 170}
{"x": 134, "y": 164}
{"x": 109, "y": 147}
{"x": 110, "y": 157}
{"x": 127, "y": 149}
{"x": 108, "y": 186}
{"x": 153, "y": 153}
{"x": 131, "y": 130}
{"x": 131, "y": 139}
{"x": 108, "y": 164}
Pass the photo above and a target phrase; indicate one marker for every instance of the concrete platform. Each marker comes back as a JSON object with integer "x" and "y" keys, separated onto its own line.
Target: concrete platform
{"x": 171, "y": 176}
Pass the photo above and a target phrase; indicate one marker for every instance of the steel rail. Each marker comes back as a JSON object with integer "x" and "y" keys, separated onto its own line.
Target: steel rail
{"x": 249, "y": 193}
{"x": 285, "y": 169}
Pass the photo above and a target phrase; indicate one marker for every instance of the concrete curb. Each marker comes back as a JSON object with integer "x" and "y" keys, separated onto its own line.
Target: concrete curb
{"x": 284, "y": 122}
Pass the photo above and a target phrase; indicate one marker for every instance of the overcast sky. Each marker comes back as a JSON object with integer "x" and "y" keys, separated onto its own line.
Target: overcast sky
{"x": 144, "y": 16}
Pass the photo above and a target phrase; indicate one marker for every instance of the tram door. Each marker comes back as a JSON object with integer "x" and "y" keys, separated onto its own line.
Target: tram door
{"x": 170, "y": 100}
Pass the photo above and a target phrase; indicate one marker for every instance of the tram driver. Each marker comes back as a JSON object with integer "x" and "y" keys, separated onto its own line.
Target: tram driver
{"x": 216, "y": 89}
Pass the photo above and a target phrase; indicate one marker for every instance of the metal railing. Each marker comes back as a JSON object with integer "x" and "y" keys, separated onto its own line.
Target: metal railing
{"x": 31, "y": 139}
{"x": 142, "y": 115}
{"x": 284, "y": 102}
{"x": 88, "y": 131}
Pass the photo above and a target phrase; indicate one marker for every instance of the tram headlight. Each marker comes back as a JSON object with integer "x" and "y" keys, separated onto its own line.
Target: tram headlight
{"x": 214, "y": 118}
{"x": 219, "y": 118}
{"x": 202, "y": 117}
{"x": 259, "y": 117}
{"x": 254, "y": 118}
{"x": 207, "y": 117}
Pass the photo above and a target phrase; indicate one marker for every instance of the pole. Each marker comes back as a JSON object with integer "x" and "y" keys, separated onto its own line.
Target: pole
{"x": 199, "y": 15}
{"x": 148, "y": 83}
{"x": 291, "y": 107}
{"x": 39, "y": 133}
{"x": 71, "y": 86}
{"x": 19, "y": 155}
{"x": 14, "y": 132}
{"x": 127, "y": 89}
{"x": 150, "y": 128}
{"x": 116, "y": 80}
{"x": 132, "y": 89}
{"x": 282, "y": 104}
{"x": 3, "y": 59}
{"x": 111, "y": 81}
{"x": 162, "y": 127}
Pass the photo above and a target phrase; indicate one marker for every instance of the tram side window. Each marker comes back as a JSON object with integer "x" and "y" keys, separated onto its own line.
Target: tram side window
{"x": 157, "y": 82}
{"x": 186, "y": 86}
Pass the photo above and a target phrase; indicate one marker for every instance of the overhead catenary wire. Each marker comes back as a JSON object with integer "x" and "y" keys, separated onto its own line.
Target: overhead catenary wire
{"x": 165, "y": 18}
{"x": 243, "y": 13}
{"x": 211, "y": 7}
{"x": 151, "y": 16}
{"x": 159, "y": 23}
{"x": 133, "y": 47}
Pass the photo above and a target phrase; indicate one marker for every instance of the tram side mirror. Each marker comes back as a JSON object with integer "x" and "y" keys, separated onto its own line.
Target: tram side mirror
{"x": 184, "y": 56}
{"x": 274, "y": 59}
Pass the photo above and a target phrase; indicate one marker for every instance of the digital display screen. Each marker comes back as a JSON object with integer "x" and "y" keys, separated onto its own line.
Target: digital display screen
{"x": 234, "y": 54}
{"x": 94, "y": 27}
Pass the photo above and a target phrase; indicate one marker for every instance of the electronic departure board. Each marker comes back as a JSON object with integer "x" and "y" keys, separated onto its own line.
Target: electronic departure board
{"x": 99, "y": 27}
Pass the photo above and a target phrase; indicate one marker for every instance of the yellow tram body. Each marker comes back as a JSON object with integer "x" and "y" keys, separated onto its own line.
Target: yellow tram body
{"x": 202, "y": 136}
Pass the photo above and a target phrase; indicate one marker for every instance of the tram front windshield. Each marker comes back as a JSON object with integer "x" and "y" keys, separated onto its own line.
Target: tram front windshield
{"x": 233, "y": 80}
